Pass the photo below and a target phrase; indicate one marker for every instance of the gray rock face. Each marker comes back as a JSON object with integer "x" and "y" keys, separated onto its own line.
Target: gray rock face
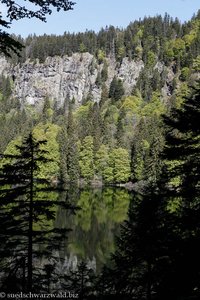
{"x": 61, "y": 78}
{"x": 58, "y": 78}
{"x": 129, "y": 72}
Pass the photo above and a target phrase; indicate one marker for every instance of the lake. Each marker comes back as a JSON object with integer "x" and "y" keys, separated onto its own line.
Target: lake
{"x": 90, "y": 239}
{"x": 94, "y": 226}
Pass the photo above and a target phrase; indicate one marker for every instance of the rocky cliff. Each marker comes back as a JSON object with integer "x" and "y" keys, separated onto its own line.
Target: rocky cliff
{"x": 61, "y": 78}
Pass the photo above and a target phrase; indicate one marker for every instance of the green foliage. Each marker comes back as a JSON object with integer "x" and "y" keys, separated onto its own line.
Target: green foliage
{"x": 67, "y": 139}
{"x": 82, "y": 117}
{"x": 101, "y": 208}
{"x": 121, "y": 51}
{"x": 148, "y": 143}
{"x": 82, "y": 48}
{"x": 104, "y": 72}
{"x": 18, "y": 190}
{"x": 101, "y": 160}
{"x": 86, "y": 158}
{"x": 119, "y": 161}
{"x": 183, "y": 144}
{"x": 27, "y": 207}
{"x": 5, "y": 87}
{"x": 193, "y": 34}
{"x": 178, "y": 47}
{"x": 132, "y": 104}
{"x": 175, "y": 48}
{"x": 151, "y": 59}
{"x": 153, "y": 38}
{"x": 94, "y": 142}
{"x": 83, "y": 216}
{"x": 101, "y": 56}
{"x": 185, "y": 73}
{"x": 49, "y": 132}
{"x": 47, "y": 111}
{"x": 171, "y": 165}
{"x": 109, "y": 167}
{"x": 138, "y": 52}
{"x": 196, "y": 64}
{"x": 155, "y": 106}
{"x": 113, "y": 122}
{"x": 157, "y": 242}
{"x": 116, "y": 89}
{"x": 11, "y": 149}
{"x": 181, "y": 93}
{"x": 96, "y": 126}
{"x": 72, "y": 149}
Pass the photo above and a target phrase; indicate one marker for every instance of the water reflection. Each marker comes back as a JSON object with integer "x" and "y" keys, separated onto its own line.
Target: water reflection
{"x": 94, "y": 226}
{"x": 91, "y": 239}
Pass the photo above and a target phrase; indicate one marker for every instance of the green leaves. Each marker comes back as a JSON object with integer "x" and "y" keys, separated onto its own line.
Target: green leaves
{"x": 113, "y": 166}
{"x": 86, "y": 158}
{"x": 48, "y": 132}
{"x": 120, "y": 163}
{"x": 116, "y": 89}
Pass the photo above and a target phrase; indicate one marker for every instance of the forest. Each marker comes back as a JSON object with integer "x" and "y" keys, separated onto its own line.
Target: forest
{"x": 147, "y": 141}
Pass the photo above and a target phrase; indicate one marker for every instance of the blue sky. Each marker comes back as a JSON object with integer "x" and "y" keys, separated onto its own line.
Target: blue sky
{"x": 95, "y": 14}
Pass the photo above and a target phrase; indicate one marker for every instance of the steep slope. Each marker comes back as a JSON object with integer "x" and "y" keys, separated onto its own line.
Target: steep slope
{"x": 60, "y": 78}
{"x": 105, "y": 91}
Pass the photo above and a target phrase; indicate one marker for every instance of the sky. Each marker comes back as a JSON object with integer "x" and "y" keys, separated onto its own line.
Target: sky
{"x": 95, "y": 14}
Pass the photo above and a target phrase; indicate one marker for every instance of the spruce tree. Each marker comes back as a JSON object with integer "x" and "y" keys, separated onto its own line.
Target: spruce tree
{"x": 86, "y": 158}
{"x": 27, "y": 211}
{"x": 116, "y": 89}
{"x": 157, "y": 255}
{"x": 97, "y": 127}
{"x": 72, "y": 148}
{"x": 120, "y": 129}
{"x": 183, "y": 145}
{"x": 180, "y": 183}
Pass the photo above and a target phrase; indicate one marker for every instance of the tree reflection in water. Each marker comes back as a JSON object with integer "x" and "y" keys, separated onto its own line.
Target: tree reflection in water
{"x": 94, "y": 226}
{"x": 87, "y": 246}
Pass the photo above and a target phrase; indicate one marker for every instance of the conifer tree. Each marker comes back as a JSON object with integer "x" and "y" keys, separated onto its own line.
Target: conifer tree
{"x": 157, "y": 254}
{"x": 183, "y": 145}
{"x": 72, "y": 148}
{"x": 120, "y": 129}
{"x": 86, "y": 158}
{"x": 62, "y": 140}
{"x": 27, "y": 213}
{"x": 104, "y": 95}
{"x": 116, "y": 89}
{"x": 97, "y": 127}
{"x": 180, "y": 184}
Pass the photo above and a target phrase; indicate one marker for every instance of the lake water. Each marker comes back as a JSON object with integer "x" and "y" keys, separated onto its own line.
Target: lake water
{"x": 93, "y": 227}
